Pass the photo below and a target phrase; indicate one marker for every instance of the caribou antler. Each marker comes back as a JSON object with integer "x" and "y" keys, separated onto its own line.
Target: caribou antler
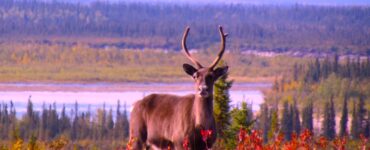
{"x": 222, "y": 50}
{"x": 186, "y": 49}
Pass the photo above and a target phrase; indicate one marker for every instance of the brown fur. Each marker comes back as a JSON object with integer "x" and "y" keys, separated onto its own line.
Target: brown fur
{"x": 166, "y": 120}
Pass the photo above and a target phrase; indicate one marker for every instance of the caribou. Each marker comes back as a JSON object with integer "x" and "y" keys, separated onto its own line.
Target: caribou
{"x": 162, "y": 121}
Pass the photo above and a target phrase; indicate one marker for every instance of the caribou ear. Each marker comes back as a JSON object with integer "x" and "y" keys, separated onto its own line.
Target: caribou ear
{"x": 220, "y": 71}
{"x": 189, "y": 69}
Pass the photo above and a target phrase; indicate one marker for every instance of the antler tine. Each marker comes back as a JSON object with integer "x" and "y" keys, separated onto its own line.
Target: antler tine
{"x": 222, "y": 50}
{"x": 186, "y": 49}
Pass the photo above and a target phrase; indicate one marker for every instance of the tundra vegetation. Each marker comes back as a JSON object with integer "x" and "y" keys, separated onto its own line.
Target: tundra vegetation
{"x": 80, "y": 63}
{"x": 315, "y": 102}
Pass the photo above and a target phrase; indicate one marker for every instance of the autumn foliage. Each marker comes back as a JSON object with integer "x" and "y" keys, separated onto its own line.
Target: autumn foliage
{"x": 304, "y": 141}
{"x": 253, "y": 140}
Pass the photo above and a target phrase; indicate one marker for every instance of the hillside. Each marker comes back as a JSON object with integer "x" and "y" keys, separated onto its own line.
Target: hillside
{"x": 343, "y": 29}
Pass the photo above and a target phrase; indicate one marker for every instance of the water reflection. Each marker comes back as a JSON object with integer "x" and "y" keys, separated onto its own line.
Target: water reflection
{"x": 96, "y": 98}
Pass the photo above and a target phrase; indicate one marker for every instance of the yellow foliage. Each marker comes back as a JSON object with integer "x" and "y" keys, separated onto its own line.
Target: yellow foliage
{"x": 17, "y": 145}
{"x": 58, "y": 143}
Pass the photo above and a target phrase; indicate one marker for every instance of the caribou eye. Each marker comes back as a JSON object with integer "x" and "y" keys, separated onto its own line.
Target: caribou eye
{"x": 195, "y": 75}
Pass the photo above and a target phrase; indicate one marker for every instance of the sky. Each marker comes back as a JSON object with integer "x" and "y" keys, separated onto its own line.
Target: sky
{"x": 257, "y": 2}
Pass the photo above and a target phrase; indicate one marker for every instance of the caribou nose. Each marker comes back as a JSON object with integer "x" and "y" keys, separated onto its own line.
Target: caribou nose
{"x": 203, "y": 91}
{"x": 203, "y": 88}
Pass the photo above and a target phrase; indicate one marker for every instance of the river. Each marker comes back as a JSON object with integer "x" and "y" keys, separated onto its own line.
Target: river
{"x": 94, "y": 95}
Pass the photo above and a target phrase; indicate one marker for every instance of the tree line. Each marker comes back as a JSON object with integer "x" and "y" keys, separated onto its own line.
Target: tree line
{"x": 321, "y": 79}
{"x": 48, "y": 124}
{"x": 291, "y": 122}
{"x": 278, "y": 28}
{"x": 324, "y": 90}
{"x": 350, "y": 68}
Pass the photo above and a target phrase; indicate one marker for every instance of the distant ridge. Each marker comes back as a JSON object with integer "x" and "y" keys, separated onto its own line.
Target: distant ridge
{"x": 275, "y": 28}
{"x": 254, "y": 2}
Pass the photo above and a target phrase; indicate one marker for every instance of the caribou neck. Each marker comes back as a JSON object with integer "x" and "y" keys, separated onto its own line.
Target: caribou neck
{"x": 203, "y": 111}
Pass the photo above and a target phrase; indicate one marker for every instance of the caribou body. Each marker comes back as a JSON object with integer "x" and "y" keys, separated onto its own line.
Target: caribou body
{"x": 162, "y": 120}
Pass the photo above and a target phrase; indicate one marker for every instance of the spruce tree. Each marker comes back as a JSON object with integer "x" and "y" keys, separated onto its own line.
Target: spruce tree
{"x": 122, "y": 124}
{"x": 43, "y": 123}
{"x": 30, "y": 121}
{"x": 347, "y": 72}
{"x": 317, "y": 73}
{"x": 344, "y": 118}
{"x": 286, "y": 122}
{"x": 326, "y": 117}
{"x": 361, "y": 114}
{"x": 52, "y": 121}
{"x": 13, "y": 120}
{"x": 64, "y": 120}
{"x": 4, "y": 121}
{"x": 102, "y": 119}
{"x": 264, "y": 121}
{"x": 274, "y": 123}
{"x": 82, "y": 126}
{"x": 367, "y": 128}
{"x": 332, "y": 119}
{"x": 74, "y": 128}
{"x": 89, "y": 122}
{"x": 325, "y": 68}
{"x": 125, "y": 122}
{"x": 30, "y": 112}
{"x": 110, "y": 123}
{"x": 336, "y": 63}
{"x": 328, "y": 125}
{"x": 307, "y": 117}
{"x": 118, "y": 125}
{"x": 354, "y": 122}
{"x": 222, "y": 104}
{"x": 296, "y": 119}
{"x": 241, "y": 119}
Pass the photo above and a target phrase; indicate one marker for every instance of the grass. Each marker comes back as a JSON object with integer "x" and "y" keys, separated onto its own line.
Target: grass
{"x": 81, "y": 63}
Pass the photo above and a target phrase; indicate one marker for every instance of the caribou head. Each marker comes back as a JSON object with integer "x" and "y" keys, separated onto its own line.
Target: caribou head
{"x": 204, "y": 77}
